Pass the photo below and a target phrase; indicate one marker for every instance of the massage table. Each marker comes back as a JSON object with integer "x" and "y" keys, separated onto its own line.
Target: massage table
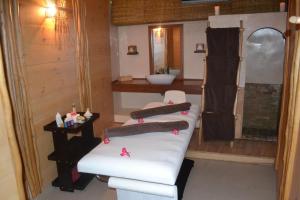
{"x": 155, "y": 168}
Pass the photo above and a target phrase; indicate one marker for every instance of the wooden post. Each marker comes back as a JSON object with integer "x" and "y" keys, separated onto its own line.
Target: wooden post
{"x": 203, "y": 96}
{"x": 238, "y": 74}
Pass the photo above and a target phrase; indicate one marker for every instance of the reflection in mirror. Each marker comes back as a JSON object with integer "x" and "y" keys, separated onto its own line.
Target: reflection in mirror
{"x": 264, "y": 74}
{"x": 165, "y": 43}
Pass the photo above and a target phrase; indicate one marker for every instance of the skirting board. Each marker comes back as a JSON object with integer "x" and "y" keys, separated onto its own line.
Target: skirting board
{"x": 229, "y": 157}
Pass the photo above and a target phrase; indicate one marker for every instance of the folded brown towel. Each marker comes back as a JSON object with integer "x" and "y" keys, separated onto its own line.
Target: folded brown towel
{"x": 160, "y": 110}
{"x": 135, "y": 129}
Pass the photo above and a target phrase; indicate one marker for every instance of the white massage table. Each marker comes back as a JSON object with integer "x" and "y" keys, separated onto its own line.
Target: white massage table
{"x": 154, "y": 163}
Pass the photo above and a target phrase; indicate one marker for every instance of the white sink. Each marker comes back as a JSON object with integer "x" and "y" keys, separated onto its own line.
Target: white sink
{"x": 161, "y": 79}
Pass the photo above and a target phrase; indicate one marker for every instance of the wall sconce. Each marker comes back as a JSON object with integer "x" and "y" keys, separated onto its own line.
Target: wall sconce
{"x": 50, "y": 11}
{"x": 282, "y": 6}
{"x": 199, "y": 48}
{"x": 132, "y": 50}
{"x": 217, "y": 10}
{"x": 158, "y": 32}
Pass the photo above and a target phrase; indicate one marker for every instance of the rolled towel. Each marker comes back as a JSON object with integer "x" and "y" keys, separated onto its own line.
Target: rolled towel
{"x": 160, "y": 110}
{"x": 135, "y": 129}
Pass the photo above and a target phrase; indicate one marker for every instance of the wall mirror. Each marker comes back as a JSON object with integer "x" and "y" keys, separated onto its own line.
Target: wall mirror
{"x": 166, "y": 49}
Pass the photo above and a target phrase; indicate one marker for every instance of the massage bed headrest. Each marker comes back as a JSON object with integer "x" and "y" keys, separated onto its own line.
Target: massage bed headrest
{"x": 175, "y": 96}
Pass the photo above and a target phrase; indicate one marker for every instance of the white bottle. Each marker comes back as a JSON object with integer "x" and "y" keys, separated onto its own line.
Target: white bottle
{"x": 73, "y": 108}
{"x": 59, "y": 121}
{"x": 88, "y": 114}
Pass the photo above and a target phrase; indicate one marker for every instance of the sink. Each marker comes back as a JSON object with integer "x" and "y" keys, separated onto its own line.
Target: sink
{"x": 174, "y": 71}
{"x": 161, "y": 79}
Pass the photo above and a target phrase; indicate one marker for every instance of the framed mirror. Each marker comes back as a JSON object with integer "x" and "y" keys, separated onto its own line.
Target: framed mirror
{"x": 166, "y": 49}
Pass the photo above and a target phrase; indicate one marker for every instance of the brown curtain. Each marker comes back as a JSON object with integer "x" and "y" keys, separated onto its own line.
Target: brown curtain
{"x": 288, "y": 143}
{"x": 82, "y": 54}
{"x": 12, "y": 46}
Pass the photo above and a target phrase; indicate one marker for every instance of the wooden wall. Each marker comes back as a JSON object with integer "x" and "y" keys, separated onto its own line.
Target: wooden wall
{"x": 51, "y": 76}
{"x": 295, "y": 190}
{"x": 287, "y": 160}
{"x": 51, "y": 71}
{"x": 97, "y": 26}
{"x": 126, "y": 12}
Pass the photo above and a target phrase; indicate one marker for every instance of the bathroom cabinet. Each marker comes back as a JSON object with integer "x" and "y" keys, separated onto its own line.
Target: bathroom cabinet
{"x": 67, "y": 152}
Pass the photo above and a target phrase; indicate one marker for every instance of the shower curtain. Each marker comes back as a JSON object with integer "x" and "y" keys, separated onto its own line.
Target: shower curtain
{"x": 220, "y": 88}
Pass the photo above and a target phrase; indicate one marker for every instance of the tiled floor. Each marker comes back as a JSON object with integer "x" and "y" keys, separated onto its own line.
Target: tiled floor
{"x": 209, "y": 180}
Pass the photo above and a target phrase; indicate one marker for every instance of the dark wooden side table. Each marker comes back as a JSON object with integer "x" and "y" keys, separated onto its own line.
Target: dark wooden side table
{"x": 67, "y": 152}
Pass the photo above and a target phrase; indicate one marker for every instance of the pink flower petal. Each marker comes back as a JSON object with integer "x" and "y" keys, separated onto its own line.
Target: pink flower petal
{"x": 106, "y": 140}
{"x": 140, "y": 120}
{"x": 170, "y": 102}
{"x": 175, "y": 132}
{"x": 124, "y": 152}
{"x": 184, "y": 112}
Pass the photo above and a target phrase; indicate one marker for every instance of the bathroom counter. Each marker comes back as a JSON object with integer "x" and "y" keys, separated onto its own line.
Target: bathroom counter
{"x": 190, "y": 86}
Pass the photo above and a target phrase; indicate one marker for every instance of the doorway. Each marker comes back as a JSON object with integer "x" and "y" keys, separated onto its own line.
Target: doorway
{"x": 263, "y": 85}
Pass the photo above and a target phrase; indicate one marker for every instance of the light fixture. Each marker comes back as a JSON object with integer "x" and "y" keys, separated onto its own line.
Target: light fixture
{"x": 217, "y": 10}
{"x": 50, "y": 10}
{"x": 132, "y": 50}
{"x": 200, "y": 48}
{"x": 158, "y": 32}
{"x": 282, "y": 6}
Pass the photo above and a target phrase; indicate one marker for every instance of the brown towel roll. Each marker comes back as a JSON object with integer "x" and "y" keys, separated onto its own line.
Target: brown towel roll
{"x": 135, "y": 129}
{"x": 160, "y": 110}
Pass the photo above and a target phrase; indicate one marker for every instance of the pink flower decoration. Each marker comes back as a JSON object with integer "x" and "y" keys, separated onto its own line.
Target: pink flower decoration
{"x": 184, "y": 112}
{"x": 106, "y": 140}
{"x": 170, "y": 102}
{"x": 140, "y": 120}
{"x": 175, "y": 131}
{"x": 124, "y": 152}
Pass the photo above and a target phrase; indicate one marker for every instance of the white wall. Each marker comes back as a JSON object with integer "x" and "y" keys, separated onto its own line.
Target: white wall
{"x": 251, "y": 23}
{"x": 135, "y": 65}
{"x": 139, "y": 100}
{"x": 138, "y": 65}
{"x": 194, "y": 32}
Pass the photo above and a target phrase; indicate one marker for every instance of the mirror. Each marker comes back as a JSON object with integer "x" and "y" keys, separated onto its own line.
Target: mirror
{"x": 166, "y": 47}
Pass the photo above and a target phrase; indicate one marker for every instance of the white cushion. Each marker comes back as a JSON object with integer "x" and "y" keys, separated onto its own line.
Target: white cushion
{"x": 175, "y": 96}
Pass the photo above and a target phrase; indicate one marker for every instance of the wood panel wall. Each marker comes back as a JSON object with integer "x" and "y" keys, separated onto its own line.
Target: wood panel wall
{"x": 287, "y": 160}
{"x": 51, "y": 71}
{"x": 295, "y": 190}
{"x": 50, "y": 74}
{"x": 98, "y": 23}
{"x": 126, "y": 12}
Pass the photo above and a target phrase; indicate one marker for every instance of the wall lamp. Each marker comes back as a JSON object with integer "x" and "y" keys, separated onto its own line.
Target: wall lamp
{"x": 50, "y": 11}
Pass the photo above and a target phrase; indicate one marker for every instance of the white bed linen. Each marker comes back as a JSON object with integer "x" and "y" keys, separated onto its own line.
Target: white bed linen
{"x": 154, "y": 157}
